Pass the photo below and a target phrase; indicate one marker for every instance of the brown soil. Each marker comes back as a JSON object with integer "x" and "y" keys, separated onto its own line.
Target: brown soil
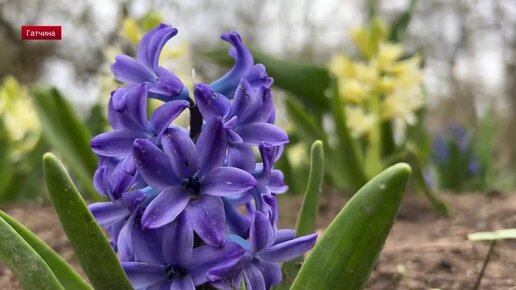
{"x": 424, "y": 250}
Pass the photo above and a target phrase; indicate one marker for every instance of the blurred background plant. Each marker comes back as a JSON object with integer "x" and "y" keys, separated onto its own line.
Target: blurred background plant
{"x": 380, "y": 92}
{"x": 20, "y": 139}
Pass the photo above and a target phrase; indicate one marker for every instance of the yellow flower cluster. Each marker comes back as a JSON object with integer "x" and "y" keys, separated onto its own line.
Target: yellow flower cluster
{"x": 383, "y": 86}
{"x": 18, "y": 117}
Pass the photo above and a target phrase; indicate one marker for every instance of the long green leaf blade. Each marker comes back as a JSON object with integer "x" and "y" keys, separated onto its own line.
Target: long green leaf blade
{"x": 95, "y": 255}
{"x": 309, "y": 209}
{"x": 346, "y": 254}
{"x": 26, "y": 264}
{"x": 66, "y": 133}
{"x": 64, "y": 272}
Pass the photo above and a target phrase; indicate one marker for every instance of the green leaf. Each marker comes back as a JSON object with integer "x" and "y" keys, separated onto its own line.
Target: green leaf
{"x": 65, "y": 132}
{"x": 26, "y": 264}
{"x": 492, "y": 236}
{"x": 306, "y": 125}
{"x": 349, "y": 155}
{"x": 437, "y": 204}
{"x": 348, "y": 250}
{"x": 304, "y": 80}
{"x": 97, "y": 258}
{"x": 64, "y": 272}
{"x": 400, "y": 25}
{"x": 308, "y": 214}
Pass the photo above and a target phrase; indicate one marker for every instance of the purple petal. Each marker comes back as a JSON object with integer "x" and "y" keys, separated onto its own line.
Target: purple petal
{"x": 167, "y": 84}
{"x": 122, "y": 178}
{"x": 258, "y": 77}
{"x": 107, "y": 213}
{"x": 183, "y": 283}
{"x": 241, "y": 156}
{"x": 236, "y": 222}
{"x": 211, "y": 146}
{"x": 211, "y": 104}
{"x": 261, "y": 109}
{"x": 206, "y": 258}
{"x": 271, "y": 273}
{"x": 115, "y": 143}
{"x": 288, "y": 250}
{"x": 165, "y": 207}
{"x": 243, "y": 64}
{"x": 261, "y": 233}
{"x": 178, "y": 241}
{"x": 208, "y": 220}
{"x": 128, "y": 108}
{"x": 147, "y": 245}
{"x": 143, "y": 275}
{"x": 165, "y": 114}
{"x": 256, "y": 133}
{"x": 101, "y": 182}
{"x": 254, "y": 278}
{"x": 153, "y": 165}
{"x": 150, "y": 46}
{"x": 284, "y": 235}
{"x": 226, "y": 181}
{"x": 132, "y": 199}
{"x": 180, "y": 151}
{"x": 242, "y": 99}
{"x": 128, "y": 70}
{"x": 125, "y": 240}
{"x": 277, "y": 182}
{"x": 268, "y": 154}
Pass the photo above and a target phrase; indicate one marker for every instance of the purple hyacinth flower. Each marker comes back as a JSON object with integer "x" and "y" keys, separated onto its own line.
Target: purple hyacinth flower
{"x": 246, "y": 122}
{"x": 174, "y": 263}
{"x": 145, "y": 68}
{"x": 190, "y": 177}
{"x": 264, "y": 251}
{"x": 128, "y": 117}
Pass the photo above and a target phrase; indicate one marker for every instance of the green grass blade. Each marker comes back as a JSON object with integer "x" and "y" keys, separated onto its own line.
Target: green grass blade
{"x": 68, "y": 135}
{"x": 26, "y": 264}
{"x": 63, "y": 272}
{"x": 346, "y": 254}
{"x": 308, "y": 214}
{"x": 95, "y": 255}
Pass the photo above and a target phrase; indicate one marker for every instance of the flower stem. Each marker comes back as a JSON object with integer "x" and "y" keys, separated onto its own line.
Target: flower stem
{"x": 195, "y": 120}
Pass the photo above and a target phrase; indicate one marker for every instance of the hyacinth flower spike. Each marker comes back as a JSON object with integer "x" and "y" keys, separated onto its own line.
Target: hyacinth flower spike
{"x": 145, "y": 68}
{"x": 190, "y": 177}
{"x": 264, "y": 252}
{"x": 128, "y": 117}
{"x": 175, "y": 264}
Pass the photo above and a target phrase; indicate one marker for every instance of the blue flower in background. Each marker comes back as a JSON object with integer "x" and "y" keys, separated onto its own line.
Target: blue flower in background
{"x": 190, "y": 207}
{"x": 455, "y": 159}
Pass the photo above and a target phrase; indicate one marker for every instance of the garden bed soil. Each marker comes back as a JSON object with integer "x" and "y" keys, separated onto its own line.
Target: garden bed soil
{"x": 423, "y": 251}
